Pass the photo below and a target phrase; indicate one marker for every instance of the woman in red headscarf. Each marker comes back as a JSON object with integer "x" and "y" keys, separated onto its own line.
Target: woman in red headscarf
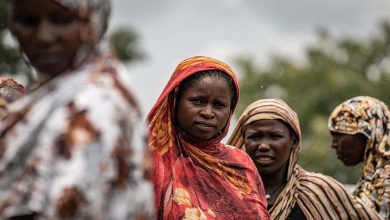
{"x": 196, "y": 176}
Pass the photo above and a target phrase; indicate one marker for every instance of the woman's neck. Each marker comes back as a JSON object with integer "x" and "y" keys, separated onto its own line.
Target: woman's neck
{"x": 274, "y": 183}
{"x": 271, "y": 181}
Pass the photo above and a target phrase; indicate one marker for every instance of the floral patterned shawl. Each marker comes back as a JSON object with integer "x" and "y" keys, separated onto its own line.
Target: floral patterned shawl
{"x": 212, "y": 181}
{"x": 370, "y": 117}
{"x": 75, "y": 148}
{"x": 10, "y": 90}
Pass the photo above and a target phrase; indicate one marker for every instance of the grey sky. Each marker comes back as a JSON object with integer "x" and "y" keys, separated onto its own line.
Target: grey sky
{"x": 172, "y": 30}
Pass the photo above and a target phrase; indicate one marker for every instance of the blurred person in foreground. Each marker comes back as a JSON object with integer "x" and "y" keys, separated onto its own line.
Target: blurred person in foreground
{"x": 360, "y": 129}
{"x": 10, "y": 90}
{"x": 268, "y": 130}
{"x": 196, "y": 176}
{"x": 73, "y": 148}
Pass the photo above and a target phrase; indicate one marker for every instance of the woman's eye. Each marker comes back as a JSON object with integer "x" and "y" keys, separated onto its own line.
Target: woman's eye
{"x": 62, "y": 19}
{"x": 276, "y": 136}
{"x": 219, "y": 105}
{"x": 196, "y": 101}
{"x": 253, "y": 137}
{"x": 28, "y": 20}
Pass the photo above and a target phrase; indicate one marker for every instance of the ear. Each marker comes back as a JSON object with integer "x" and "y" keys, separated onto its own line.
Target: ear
{"x": 293, "y": 141}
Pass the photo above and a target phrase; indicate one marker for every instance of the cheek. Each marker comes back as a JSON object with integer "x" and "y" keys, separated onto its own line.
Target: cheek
{"x": 70, "y": 35}
{"x": 22, "y": 34}
{"x": 250, "y": 148}
{"x": 223, "y": 117}
{"x": 184, "y": 113}
{"x": 284, "y": 149}
{"x": 344, "y": 145}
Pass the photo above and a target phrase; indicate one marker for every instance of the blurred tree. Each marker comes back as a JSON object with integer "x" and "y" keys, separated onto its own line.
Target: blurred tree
{"x": 334, "y": 70}
{"x": 124, "y": 41}
{"x": 9, "y": 56}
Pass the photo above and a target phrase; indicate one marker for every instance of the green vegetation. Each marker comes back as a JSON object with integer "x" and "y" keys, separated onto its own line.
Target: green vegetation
{"x": 335, "y": 69}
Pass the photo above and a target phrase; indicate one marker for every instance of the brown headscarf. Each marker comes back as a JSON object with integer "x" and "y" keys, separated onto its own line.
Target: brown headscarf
{"x": 370, "y": 117}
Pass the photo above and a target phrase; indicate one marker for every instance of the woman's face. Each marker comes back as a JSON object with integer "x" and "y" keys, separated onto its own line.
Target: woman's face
{"x": 204, "y": 107}
{"x": 269, "y": 144}
{"x": 349, "y": 148}
{"x": 48, "y": 34}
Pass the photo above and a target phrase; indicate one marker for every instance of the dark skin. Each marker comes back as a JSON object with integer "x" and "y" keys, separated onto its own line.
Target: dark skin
{"x": 269, "y": 144}
{"x": 204, "y": 108}
{"x": 349, "y": 148}
{"x": 49, "y": 35}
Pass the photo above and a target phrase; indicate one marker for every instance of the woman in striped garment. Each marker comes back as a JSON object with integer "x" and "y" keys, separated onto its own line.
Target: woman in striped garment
{"x": 269, "y": 132}
{"x": 360, "y": 129}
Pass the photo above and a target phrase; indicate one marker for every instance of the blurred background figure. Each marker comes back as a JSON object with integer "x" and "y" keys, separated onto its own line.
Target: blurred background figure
{"x": 360, "y": 129}
{"x": 74, "y": 147}
{"x": 10, "y": 90}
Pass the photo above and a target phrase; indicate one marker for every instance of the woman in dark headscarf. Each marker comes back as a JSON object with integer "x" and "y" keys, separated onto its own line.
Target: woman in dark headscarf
{"x": 196, "y": 176}
{"x": 73, "y": 148}
{"x": 360, "y": 128}
{"x": 269, "y": 131}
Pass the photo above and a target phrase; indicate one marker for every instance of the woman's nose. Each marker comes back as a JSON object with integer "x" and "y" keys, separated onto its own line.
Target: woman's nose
{"x": 334, "y": 143}
{"x": 44, "y": 34}
{"x": 263, "y": 146}
{"x": 207, "y": 112}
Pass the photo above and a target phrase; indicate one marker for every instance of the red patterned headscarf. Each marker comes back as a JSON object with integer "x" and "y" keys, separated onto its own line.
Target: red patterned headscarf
{"x": 184, "y": 174}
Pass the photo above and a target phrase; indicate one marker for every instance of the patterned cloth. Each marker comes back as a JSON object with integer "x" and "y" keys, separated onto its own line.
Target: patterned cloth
{"x": 211, "y": 181}
{"x": 370, "y": 117}
{"x": 75, "y": 147}
{"x": 10, "y": 90}
{"x": 317, "y": 195}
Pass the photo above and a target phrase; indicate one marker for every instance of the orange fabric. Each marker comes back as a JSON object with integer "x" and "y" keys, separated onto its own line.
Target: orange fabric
{"x": 203, "y": 180}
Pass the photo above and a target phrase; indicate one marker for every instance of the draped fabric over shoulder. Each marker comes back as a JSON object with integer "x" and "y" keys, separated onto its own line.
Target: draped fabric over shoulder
{"x": 317, "y": 195}
{"x": 74, "y": 148}
{"x": 370, "y": 117}
{"x": 211, "y": 181}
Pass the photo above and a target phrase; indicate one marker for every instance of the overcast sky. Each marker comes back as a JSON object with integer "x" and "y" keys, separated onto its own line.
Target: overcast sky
{"x": 172, "y": 30}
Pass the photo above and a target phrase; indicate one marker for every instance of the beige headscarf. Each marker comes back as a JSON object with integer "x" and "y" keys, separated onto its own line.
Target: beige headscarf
{"x": 269, "y": 109}
{"x": 317, "y": 195}
{"x": 370, "y": 117}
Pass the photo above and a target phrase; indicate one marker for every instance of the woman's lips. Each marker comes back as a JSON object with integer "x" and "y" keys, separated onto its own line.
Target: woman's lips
{"x": 204, "y": 124}
{"x": 49, "y": 64}
{"x": 264, "y": 159}
{"x": 341, "y": 157}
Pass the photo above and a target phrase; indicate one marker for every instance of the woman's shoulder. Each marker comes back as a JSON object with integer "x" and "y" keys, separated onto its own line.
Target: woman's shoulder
{"x": 234, "y": 150}
{"x": 236, "y": 155}
{"x": 322, "y": 189}
{"x": 325, "y": 180}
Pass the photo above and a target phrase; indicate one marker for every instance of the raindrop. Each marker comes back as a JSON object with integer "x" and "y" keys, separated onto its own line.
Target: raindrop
{"x": 261, "y": 87}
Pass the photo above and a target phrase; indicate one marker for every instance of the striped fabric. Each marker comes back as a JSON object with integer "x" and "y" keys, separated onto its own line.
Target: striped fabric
{"x": 318, "y": 196}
